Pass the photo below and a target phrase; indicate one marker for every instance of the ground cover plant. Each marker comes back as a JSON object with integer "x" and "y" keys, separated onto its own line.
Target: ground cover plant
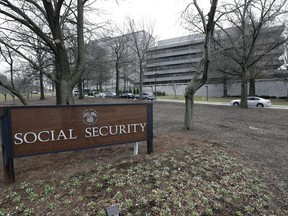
{"x": 233, "y": 163}
{"x": 191, "y": 181}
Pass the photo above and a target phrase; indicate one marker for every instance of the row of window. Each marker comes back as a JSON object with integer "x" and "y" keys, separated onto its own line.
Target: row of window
{"x": 184, "y": 81}
{"x": 176, "y": 49}
{"x": 171, "y": 67}
{"x": 174, "y": 58}
{"x": 188, "y": 73}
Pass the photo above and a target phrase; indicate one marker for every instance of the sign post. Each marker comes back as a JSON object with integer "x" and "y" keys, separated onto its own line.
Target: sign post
{"x": 46, "y": 129}
{"x": 7, "y": 152}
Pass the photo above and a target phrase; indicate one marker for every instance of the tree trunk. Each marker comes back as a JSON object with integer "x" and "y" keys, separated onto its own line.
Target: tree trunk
{"x": 101, "y": 86}
{"x": 124, "y": 80}
{"x": 117, "y": 81}
{"x": 80, "y": 90}
{"x": 287, "y": 91}
{"x": 244, "y": 88}
{"x": 201, "y": 75}
{"x": 141, "y": 82}
{"x": 66, "y": 93}
{"x": 225, "y": 92}
{"x": 189, "y": 109}
{"x": 42, "y": 96}
{"x": 64, "y": 86}
{"x": 21, "y": 98}
{"x": 252, "y": 88}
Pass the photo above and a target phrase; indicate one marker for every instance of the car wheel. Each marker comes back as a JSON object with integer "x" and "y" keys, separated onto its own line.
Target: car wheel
{"x": 260, "y": 105}
{"x": 236, "y": 104}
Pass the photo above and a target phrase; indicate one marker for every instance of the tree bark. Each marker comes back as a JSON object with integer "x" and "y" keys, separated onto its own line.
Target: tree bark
{"x": 189, "y": 111}
{"x": 66, "y": 93}
{"x": 225, "y": 92}
{"x": 141, "y": 74}
{"x": 117, "y": 81}
{"x": 244, "y": 89}
{"x": 42, "y": 96}
{"x": 80, "y": 90}
{"x": 252, "y": 88}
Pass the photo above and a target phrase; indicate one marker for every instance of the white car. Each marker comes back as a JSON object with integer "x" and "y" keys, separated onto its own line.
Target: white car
{"x": 146, "y": 96}
{"x": 75, "y": 92}
{"x": 100, "y": 94}
{"x": 253, "y": 101}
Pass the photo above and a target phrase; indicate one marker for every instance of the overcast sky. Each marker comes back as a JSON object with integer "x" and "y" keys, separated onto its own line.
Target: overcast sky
{"x": 166, "y": 13}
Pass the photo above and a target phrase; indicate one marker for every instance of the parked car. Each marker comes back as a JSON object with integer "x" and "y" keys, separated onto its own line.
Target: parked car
{"x": 253, "y": 101}
{"x": 75, "y": 92}
{"x": 100, "y": 94}
{"x": 110, "y": 95}
{"x": 146, "y": 96}
{"x": 127, "y": 95}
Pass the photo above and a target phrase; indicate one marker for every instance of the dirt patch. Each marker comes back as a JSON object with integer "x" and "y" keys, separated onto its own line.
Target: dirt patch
{"x": 256, "y": 137}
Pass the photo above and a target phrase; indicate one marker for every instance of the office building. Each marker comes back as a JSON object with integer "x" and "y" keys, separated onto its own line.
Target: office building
{"x": 171, "y": 64}
{"x": 173, "y": 61}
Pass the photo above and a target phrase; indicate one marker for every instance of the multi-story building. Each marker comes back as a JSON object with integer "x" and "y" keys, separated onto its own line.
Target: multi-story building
{"x": 173, "y": 61}
{"x": 171, "y": 64}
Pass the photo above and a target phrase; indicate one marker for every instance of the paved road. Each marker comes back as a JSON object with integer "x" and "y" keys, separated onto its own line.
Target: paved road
{"x": 219, "y": 103}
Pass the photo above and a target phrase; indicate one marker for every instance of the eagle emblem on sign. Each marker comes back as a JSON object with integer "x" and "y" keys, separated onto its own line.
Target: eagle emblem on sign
{"x": 89, "y": 117}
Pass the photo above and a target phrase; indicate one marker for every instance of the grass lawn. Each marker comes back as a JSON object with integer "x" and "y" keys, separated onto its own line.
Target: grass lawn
{"x": 195, "y": 180}
{"x": 190, "y": 181}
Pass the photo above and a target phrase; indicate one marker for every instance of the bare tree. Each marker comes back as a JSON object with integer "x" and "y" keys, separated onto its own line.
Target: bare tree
{"x": 142, "y": 39}
{"x": 200, "y": 76}
{"x": 118, "y": 42}
{"x": 224, "y": 66}
{"x": 23, "y": 17}
{"x": 249, "y": 23}
{"x": 3, "y": 90}
{"x": 126, "y": 74}
{"x": 4, "y": 82}
{"x": 42, "y": 59}
{"x": 98, "y": 65}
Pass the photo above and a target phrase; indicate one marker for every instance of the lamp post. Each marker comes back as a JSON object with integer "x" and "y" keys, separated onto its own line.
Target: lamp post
{"x": 155, "y": 76}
